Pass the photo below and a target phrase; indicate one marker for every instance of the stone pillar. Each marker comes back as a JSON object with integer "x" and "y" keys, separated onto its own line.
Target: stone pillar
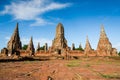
{"x": 46, "y": 47}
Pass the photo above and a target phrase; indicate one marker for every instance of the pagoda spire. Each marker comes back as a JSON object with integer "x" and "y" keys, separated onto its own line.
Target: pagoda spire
{"x": 80, "y": 46}
{"x": 59, "y": 41}
{"x": 87, "y": 46}
{"x": 73, "y": 46}
{"x": 38, "y": 47}
{"x": 104, "y": 47}
{"x": 31, "y": 47}
{"x": 14, "y": 43}
{"x": 103, "y": 33}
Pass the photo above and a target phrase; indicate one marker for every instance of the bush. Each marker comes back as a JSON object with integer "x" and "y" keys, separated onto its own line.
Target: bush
{"x": 119, "y": 53}
{"x": 24, "y": 47}
{"x": 81, "y": 49}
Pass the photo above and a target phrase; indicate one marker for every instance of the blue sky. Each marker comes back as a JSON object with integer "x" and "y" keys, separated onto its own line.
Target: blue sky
{"x": 39, "y": 18}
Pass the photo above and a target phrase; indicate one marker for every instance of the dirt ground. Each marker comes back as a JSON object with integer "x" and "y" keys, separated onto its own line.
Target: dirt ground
{"x": 82, "y": 69}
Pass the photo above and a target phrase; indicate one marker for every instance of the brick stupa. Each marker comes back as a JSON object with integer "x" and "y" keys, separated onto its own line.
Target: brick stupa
{"x": 59, "y": 44}
{"x": 104, "y": 47}
{"x": 30, "y": 47}
{"x": 14, "y": 44}
{"x": 88, "y": 48}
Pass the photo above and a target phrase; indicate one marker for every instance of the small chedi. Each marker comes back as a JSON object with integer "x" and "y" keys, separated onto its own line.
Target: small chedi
{"x": 73, "y": 46}
{"x": 59, "y": 47}
{"x": 88, "y": 48}
{"x": 31, "y": 47}
{"x": 38, "y": 47}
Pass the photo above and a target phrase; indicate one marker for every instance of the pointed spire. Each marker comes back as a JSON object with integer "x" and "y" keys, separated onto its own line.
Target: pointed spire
{"x": 73, "y": 46}
{"x": 87, "y": 41}
{"x": 87, "y": 46}
{"x": 31, "y": 43}
{"x": 31, "y": 47}
{"x": 46, "y": 47}
{"x": 16, "y": 31}
{"x": 80, "y": 46}
{"x": 17, "y": 26}
{"x": 30, "y": 40}
{"x": 102, "y": 33}
{"x": 38, "y": 47}
{"x": 59, "y": 30}
{"x": 14, "y": 43}
{"x": 104, "y": 46}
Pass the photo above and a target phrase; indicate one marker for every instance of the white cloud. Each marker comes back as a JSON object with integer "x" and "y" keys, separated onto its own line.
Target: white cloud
{"x": 32, "y": 9}
{"x": 40, "y": 22}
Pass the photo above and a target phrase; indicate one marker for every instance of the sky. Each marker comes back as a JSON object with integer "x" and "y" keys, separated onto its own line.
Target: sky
{"x": 80, "y": 18}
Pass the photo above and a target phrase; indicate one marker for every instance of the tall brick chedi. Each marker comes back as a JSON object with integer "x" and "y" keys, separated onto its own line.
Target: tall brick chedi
{"x": 59, "y": 43}
{"x": 104, "y": 47}
{"x": 14, "y": 44}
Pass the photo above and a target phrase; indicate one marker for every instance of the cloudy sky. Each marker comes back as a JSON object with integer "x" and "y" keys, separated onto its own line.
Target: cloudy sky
{"x": 39, "y": 18}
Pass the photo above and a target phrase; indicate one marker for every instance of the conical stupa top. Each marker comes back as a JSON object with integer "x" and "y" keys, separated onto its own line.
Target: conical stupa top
{"x": 15, "y": 42}
{"x": 31, "y": 40}
{"x": 59, "y": 30}
{"x": 80, "y": 46}
{"x": 87, "y": 41}
{"x": 73, "y": 46}
{"x": 31, "y": 46}
{"x": 38, "y": 47}
{"x": 16, "y": 31}
{"x": 60, "y": 25}
{"x": 102, "y": 33}
{"x": 87, "y": 46}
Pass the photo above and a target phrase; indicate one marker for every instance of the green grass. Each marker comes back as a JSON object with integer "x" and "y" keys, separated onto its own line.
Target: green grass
{"x": 110, "y": 76}
{"x": 88, "y": 65}
{"x": 73, "y": 63}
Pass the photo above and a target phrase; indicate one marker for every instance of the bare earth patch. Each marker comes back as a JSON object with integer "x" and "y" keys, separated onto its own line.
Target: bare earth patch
{"x": 82, "y": 69}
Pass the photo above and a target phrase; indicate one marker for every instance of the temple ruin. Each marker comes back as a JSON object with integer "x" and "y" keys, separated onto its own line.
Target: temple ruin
{"x": 14, "y": 44}
{"x": 59, "y": 44}
{"x": 104, "y": 47}
{"x": 59, "y": 47}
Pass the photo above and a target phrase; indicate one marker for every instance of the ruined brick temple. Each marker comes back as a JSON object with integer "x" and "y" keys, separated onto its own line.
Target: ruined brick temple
{"x": 59, "y": 47}
{"x": 59, "y": 44}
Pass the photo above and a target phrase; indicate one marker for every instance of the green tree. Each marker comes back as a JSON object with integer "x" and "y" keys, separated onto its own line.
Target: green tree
{"x": 25, "y": 47}
{"x": 119, "y": 53}
{"x": 42, "y": 48}
{"x": 81, "y": 49}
